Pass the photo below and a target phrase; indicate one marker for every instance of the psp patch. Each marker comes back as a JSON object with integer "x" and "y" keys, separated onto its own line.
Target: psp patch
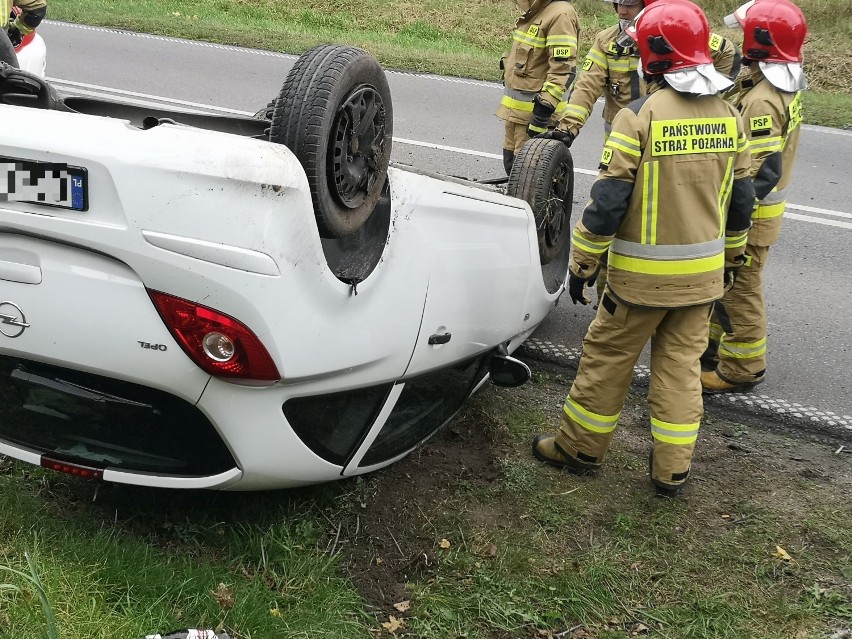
{"x": 606, "y": 158}
{"x": 716, "y": 42}
{"x": 685, "y": 137}
{"x": 760, "y": 125}
{"x": 760, "y": 122}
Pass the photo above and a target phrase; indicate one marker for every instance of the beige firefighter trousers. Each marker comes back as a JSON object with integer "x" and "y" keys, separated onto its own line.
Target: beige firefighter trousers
{"x": 611, "y": 348}
{"x": 515, "y": 136}
{"x": 740, "y": 323}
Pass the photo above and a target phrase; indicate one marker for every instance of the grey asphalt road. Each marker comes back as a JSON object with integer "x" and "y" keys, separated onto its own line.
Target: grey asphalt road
{"x": 447, "y": 125}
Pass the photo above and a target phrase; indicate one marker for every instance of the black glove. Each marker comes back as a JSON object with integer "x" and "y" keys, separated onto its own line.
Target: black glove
{"x": 566, "y": 137}
{"x": 15, "y": 36}
{"x": 540, "y": 117}
{"x": 576, "y": 284}
{"x": 730, "y": 277}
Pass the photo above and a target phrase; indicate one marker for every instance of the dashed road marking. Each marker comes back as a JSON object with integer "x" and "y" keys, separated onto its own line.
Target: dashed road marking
{"x": 778, "y": 407}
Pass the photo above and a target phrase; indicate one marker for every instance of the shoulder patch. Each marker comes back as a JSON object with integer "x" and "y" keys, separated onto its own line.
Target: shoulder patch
{"x": 533, "y": 30}
{"x": 587, "y": 64}
{"x": 716, "y": 42}
{"x": 795, "y": 112}
{"x": 561, "y": 52}
{"x": 760, "y": 123}
{"x": 606, "y": 157}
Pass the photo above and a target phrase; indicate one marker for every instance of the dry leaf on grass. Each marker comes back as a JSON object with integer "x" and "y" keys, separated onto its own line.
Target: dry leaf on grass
{"x": 224, "y": 596}
{"x": 782, "y": 554}
{"x": 403, "y": 606}
{"x": 393, "y": 624}
{"x": 444, "y": 543}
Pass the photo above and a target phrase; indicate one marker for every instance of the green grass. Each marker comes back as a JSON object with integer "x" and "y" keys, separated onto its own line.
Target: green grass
{"x": 145, "y": 568}
{"x": 439, "y": 36}
{"x": 535, "y": 552}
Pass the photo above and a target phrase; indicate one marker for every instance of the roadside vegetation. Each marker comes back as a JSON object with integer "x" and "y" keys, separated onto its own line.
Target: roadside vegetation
{"x": 468, "y": 537}
{"x": 442, "y": 36}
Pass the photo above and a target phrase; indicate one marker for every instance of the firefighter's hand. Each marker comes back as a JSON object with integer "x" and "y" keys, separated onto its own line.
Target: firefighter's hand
{"x": 577, "y": 286}
{"x": 730, "y": 277}
{"x": 566, "y": 137}
{"x": 540, "y": 117}
{"x": 733, "y": 268}
{"x": 15, "y": 36}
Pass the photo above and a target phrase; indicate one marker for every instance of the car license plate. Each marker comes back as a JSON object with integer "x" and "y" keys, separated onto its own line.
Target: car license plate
{"x": 45, "y": 183}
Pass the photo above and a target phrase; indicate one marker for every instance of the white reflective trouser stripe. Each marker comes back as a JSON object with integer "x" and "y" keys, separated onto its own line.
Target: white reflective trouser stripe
{"x": 743, "y": 350}
{"x": 587, "y": 419}
{"x": 518, "y": 94}
{"x": 668, "y": 251}
{"x": 678, "y": 434}
{"x": 776, "y": 196}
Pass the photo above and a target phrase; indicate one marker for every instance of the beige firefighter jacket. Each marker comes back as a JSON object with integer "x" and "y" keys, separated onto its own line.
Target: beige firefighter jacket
{"x": 672, "y": 202}
{"x": 772, "y": 118}
{"x": 542, "y": 61}
{"x": 613, "y": 72}
{"x": 23, "y": 24}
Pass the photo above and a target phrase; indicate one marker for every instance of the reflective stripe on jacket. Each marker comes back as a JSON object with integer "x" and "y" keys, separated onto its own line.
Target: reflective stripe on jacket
{"x": 542, "y": 60}
{"x": 672, "y": 201}
{"x": 772, "y": 118}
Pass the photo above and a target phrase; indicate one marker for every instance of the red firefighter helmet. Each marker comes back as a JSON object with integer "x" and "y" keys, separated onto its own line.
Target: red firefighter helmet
{"x": 672, "y": 35}
{"x": 772, "y": 31}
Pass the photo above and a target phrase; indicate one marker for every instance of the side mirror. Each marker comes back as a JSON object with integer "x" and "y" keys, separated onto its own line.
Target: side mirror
{"x": 508, "y": 372}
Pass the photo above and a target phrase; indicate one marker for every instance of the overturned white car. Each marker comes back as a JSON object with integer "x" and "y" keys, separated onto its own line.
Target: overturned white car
{"x": 197, "y": 301}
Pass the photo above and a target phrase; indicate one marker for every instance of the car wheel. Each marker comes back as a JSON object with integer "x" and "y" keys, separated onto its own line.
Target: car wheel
{"x": 543, "y": 175}
{"x": 334, "y": 112}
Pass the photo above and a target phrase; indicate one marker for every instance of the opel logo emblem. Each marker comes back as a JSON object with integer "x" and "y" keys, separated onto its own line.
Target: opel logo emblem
{"x": 12, "y": 320}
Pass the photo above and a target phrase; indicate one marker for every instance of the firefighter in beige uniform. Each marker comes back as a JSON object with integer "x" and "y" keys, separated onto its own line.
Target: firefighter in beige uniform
{"x": 768, "y": 96}
{"x": 672, "y": 206}
{"x": 611, "y": 70}
{"x": 32, "y": 13}
{"x": 537, "y": 71}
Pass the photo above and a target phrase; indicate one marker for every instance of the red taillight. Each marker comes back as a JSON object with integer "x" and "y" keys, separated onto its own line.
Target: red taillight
{"x": 219, "y": 344}
{"x": 72, "y": 469}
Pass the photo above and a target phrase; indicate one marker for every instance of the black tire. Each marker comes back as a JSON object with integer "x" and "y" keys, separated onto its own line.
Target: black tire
{"x": 543, "y": 175}
{"x": 334, "y": 112}
{"x": 7, "y": 51}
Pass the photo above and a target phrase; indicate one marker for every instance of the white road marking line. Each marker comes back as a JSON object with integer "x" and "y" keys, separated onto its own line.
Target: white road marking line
{"x": 288, "y": 56}
{"x": 260, "y": 52}
{"x": 817, "y": 220}
{"x": 81, "y": 88}
{"x": 813, "y": 209}
{"x": 769, "y": 404}
{"x": 145, "y": 99}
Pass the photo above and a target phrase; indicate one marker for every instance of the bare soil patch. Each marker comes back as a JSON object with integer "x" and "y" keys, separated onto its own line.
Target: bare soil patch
{"x": 740, "y": 472}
